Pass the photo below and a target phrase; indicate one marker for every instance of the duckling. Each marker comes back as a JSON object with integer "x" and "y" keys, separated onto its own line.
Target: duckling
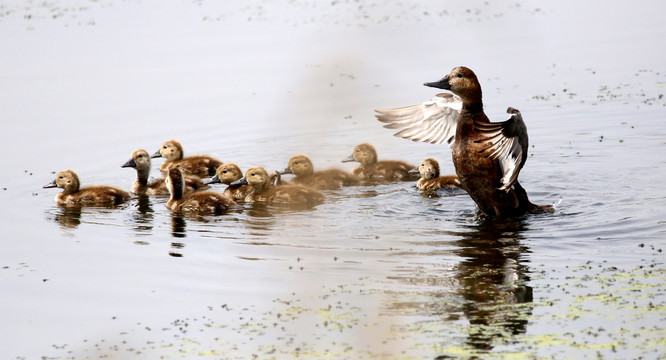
{"x": 227, "y": 174}
{"x": 200, "y": 201}
{"x": 430, "y": 179}
{"x": 487, "y": 156}
{"x": 331, "y": 179}
{"x": 199, "y": 165}
{"x": 91, "y": 195}
{"x": 140, "y": 160}
{"x": 385, "y": 170}
{"x": 264, "y": 191}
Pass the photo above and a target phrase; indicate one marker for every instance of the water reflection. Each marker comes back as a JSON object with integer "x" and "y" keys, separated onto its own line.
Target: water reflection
{"x": 142, "y": 219}
{"x": 68, "y": 217}
{"x": 493, "y": 281}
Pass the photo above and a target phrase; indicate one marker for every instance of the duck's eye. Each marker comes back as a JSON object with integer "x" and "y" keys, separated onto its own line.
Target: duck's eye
{"x": 62, "y": 177}
{"x": 140, "y": 156}
{"x": 459, "y": 75}
{"x": 224, "y": 171}
{"x": 164, "y": 146}
{"x": 253, "y": 174}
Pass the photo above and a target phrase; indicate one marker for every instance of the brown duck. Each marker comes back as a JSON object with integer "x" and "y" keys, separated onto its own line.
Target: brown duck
{"x": 72, "y": 194}
{"x": 381, "y": 171}
{"x": 330, "y": 179}
{"x": 431, "y": 180}
{"x": 198, "y": 165}
{"x": 487, "y": 156}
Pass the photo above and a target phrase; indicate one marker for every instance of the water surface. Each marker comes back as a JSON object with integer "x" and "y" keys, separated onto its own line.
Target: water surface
{"x": 375, "y": 271}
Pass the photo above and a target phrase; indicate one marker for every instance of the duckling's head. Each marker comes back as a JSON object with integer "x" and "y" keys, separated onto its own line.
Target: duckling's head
{"x": 66, "y": 180}
{"x": 226, "y": 174}
{"x": 463, "y": 82}
{"x": 363, "y": 153}
{"x": 429, "y": 169}
{"x": 257, "y": 177}
{"x": 170, "y": 150}
{"x": 139, "y": 160}
{"x": 299, "y": 165}
{"x": 175, "y": 183}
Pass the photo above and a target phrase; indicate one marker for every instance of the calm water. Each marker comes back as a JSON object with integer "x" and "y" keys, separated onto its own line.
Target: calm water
{"x": 376, "y": 271}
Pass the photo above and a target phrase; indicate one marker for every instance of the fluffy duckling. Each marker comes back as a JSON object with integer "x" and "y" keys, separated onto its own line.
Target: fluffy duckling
{"x": 140, "y": 160}
{"x": 385, "y": 170}
{"x": 487, "y": 156}
{"x": 430, "y": 179}
{"x": 200, "y": 201}
{"x": 331, "y": 179}
{"x": 91, "y": 195}
{"x": 199, "y": 165}
{"x": 265, "y": 191}
{"x": 227, "y": 174}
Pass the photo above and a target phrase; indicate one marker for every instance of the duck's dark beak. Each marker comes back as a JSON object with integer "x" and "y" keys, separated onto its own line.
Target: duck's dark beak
{"x": 441, "y": 84}
{"x": 241, "y": 181}
{"x": 414, "y": 171}
{"x": 52, "y": 184}
{"x": 156, "y": 154}
{"x": 349, "y": 159}
{"x": 277, "y": 178}
{"x": 214, "y": 180}
{"x": 129, "y": 163}
{"x": 285, "y": 171}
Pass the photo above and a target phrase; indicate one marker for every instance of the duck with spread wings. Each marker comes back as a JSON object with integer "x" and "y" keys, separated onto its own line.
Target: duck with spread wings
{"x": 487, "y": 156}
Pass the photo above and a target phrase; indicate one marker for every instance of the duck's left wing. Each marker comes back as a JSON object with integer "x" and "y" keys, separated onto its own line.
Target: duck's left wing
{"x": 433, "y": 121}
{"x": 508, "y": 142}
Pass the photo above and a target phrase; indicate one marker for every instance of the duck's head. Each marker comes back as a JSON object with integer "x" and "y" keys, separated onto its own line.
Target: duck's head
{"x": 429, "y": 169}
{"x": 140, "y": 160}
{"x": 226, "y": 174}
{"x": 175, "y": 183}
{"x": 461, "y": 81}
{"x": 257, "y": 177}
{"x": 363, "y": 153}
{"x": 170, "y": 150}
{"x": 66, "y": 180}
{"x": 299, "y": 165}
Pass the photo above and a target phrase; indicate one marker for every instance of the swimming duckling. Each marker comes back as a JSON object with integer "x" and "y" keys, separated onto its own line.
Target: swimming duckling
{"x": 140, "y": 160}
{"x": 331, "y": 179}
{"x": 385, "y": 170}
{"x": 430, "y": 179}
{"x": 91, "y": 195}
{"x": 487, "y": 156}
{"x": 199, "y": 201}
{"x": 199, "y": 165}
{"x": 227, "y": 174}
{"x": 265, "y": 191}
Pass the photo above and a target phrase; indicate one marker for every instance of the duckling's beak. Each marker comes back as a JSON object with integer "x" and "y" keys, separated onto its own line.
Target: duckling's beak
{"x": 129, "y": 163}
{"x": 284, "y": 171}
{"x": 214, "y": 180}
{"x": 241, "y": 181}
{"x": 441, "y": 84}
{"x": 414, "y": 171}
{"x": 349, "y": 159}
{"x": 277, "y": 178}
{"x": 156, "y": 155}
{"x": 52, "y": 184}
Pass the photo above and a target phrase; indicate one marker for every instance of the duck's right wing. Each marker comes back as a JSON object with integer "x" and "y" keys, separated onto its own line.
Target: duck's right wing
{"x": 433, "y": 121}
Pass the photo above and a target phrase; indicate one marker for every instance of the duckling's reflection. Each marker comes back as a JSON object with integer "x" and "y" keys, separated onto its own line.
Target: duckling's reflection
{"x": 68, "y": 217}
{"x": 142, "y": 219}
{"x": 178, "y": 225}
{"x": 493, "y": 281}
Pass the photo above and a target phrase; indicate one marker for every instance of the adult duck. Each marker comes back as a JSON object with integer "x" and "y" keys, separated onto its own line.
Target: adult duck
{"x": 199, "y": 201}
{"x": 227, "y": 174}
{"x": 487, "y": 156}
{"x": 331, "y": 179}
{"x": 198, "y": 165}
{"x": 266, "y": 191}
{"x": 431, "y": 180}
{"x": 72, "y": 194}
{"x": 140, "y": 161}
{"x": 372, "y": 169}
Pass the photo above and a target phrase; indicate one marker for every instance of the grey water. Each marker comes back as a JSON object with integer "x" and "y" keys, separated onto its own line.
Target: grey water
{"x": 375, "y": 271}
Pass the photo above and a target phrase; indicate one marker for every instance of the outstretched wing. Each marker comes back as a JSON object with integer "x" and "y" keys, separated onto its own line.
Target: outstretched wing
{"x": 433, "y": 121}
{"x": 506, "y": 141}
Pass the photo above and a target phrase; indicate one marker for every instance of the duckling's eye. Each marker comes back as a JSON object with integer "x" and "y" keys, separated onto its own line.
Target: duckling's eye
{"x": 459, "y": 75}
{"x": 164, "y": 147}
{"x": 253, "y": 174}
{"x": 62, "y": 177}
{"x": 224, "y": 171}
{"x": 140, "y": 156}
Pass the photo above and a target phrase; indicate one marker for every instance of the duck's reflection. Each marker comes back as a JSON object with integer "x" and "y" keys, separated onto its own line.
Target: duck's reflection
{"x": 68, "y": 217}
{"x": 493, "y": 281}
{"x": 142, "y": 218}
